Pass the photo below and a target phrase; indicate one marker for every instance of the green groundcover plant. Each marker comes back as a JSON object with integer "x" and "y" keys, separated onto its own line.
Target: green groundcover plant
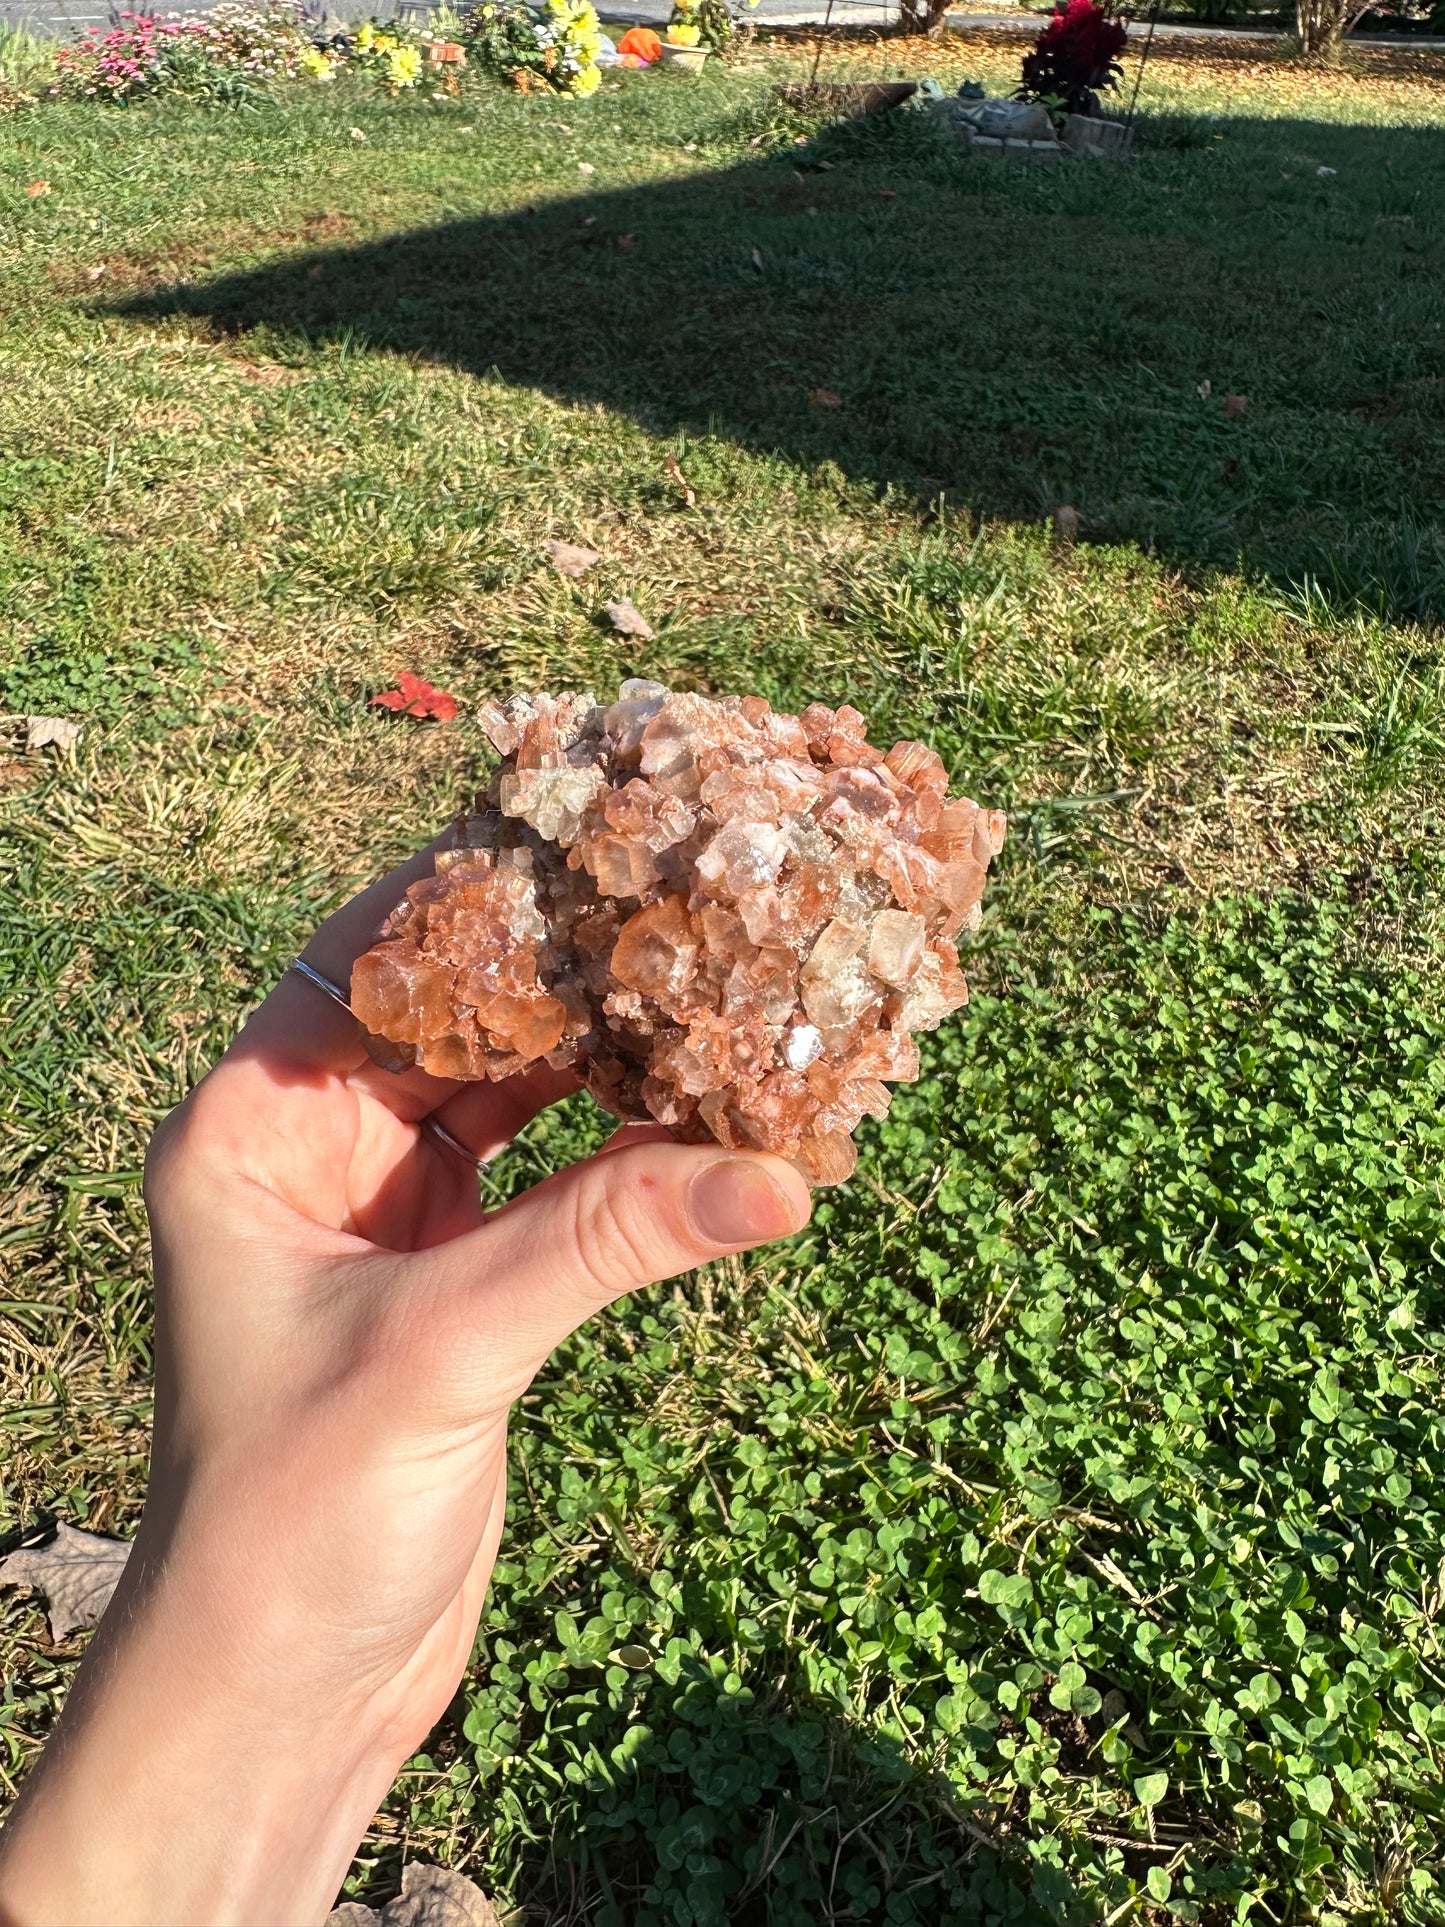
{"x": 1073, "y": 1532}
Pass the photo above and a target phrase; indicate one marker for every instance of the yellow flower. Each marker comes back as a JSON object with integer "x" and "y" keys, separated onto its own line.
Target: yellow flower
{"x": 684, "y": 36}
{"x": 403, "y": 65}
{"x": 586, "y": 82}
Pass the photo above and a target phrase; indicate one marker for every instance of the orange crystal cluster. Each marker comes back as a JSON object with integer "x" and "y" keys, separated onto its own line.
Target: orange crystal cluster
{"x": 728, "y": 919}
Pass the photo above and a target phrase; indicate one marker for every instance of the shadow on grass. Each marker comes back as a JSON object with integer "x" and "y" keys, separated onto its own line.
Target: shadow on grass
{"x": 717, "y": 1808}
{"x": 1012, "y": 338}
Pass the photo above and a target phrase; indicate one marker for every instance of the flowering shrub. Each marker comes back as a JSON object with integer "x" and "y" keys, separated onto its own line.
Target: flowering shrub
{"x": 1077, "y": 54}
{"x": 236, "y": 49}
{"x": 555, "y": 53}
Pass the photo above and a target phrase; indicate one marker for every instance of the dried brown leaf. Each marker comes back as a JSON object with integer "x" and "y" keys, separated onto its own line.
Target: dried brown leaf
{"x": 824, "y": 398}
{"x": 40, "y": 730}
{"x": 570, "y": 558}
{"x": 626, "y": 620}
{"x": 76, "y": 1571}
{"x": 1236, "y": 407}
{"x": 429, "y": 1897}
{"x": 437, "y": 1897}
{"x": 1066, "y": 525}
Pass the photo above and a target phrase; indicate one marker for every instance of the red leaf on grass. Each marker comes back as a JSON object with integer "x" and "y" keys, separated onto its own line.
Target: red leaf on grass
{"x": 37, "y": 188}
{"x": 415, "y": 696}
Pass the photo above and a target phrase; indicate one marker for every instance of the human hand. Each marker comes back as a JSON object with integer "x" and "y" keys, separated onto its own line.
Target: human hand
{"x": 341, "y": 1331}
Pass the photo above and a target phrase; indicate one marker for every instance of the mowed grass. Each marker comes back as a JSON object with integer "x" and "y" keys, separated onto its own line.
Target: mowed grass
{"x": 1054, "y": 1531}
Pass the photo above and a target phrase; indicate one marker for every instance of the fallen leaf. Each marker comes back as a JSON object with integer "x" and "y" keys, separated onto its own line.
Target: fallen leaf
{"x": 40, "y": 730}
{"x": 570, "y": 558}
{"x": 37, "y": 188}
{"x": 825, "y": 167}
{"x": 316, "y": 272}
{"x": 585, "y": 167}
{"x": 94, "y": 274}
{"x": 625, "y": 241}
{"x": 1066, "y": 525}
{"x": 429, "y": 1897}
{"x": 824, "y": 398}
{"x": 1323, "y": 172}
{"x": 1236, "y": 407}
{"x": 437, "y": 1897}
{"x": 415, "y": 696}
{"x": 626, "y": 620}
{"x": 357, "y": 134}
{"x": 757, "y": 259}
{"x": 588, "y": 220}
{"x": 76, "y": 1571}
{"x": 886, "y": 193}
{"x": 683, "y": 486}
{"x": 1204, "y": 390}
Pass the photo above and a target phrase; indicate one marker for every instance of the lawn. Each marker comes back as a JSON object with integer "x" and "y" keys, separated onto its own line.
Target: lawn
{"x": 1054, "y": 1531}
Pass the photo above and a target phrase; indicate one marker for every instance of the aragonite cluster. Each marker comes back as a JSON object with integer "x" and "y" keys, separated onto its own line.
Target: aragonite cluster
{"x": 726, "y": 918}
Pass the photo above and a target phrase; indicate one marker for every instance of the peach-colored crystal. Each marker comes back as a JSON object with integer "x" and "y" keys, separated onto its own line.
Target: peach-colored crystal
{"x": 726, "y": 918}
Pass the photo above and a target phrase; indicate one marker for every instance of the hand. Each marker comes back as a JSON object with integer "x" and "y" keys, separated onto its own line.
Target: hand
{"x": 340, "y": 1333}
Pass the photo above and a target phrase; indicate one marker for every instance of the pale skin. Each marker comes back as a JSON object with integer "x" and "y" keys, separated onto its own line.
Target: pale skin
{"x": 341, "y": 1335}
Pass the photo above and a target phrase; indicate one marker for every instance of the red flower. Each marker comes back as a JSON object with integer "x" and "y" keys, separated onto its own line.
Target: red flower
{"x": 1076, "y": 54}
{"x": 417, "y": 697}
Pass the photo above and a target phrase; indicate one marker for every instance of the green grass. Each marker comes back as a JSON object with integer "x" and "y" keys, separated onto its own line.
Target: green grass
{"x": 1054, "y": 1531}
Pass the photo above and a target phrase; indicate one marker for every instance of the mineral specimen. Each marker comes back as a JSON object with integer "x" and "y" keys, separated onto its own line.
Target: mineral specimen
{"x": 726, "y": 918}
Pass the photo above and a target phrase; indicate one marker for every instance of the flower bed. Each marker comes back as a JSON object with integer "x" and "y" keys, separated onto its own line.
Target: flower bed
{"x": 235, "y": 49}
{"x": 246, "y": 47}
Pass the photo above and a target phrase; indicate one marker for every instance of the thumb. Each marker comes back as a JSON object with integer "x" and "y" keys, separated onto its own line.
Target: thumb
{"x": 630, "y": 1216}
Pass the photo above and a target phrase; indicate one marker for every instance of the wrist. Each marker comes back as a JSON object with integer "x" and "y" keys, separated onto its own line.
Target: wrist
{"x": 197, "y": 1776}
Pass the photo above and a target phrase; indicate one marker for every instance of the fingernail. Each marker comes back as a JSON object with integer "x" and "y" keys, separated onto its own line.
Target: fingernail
{"x": 738, "y": 1202}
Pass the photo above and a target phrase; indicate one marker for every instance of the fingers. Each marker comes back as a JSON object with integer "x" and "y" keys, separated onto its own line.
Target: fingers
{"x": 299, "y": 1041}
{"x": 300, "y": 1022}
{"x": 637, "y": 1213}
{"x": 352, "y": 929}
{"x": 486, "y": 1117}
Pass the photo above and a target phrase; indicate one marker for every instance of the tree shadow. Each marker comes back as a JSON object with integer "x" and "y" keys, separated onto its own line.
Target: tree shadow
{"x": 1008, "y": 338}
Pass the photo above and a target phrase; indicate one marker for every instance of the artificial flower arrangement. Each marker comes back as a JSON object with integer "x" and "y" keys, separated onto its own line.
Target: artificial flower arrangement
{"x": 551, "y": 52}
{"x": 1077, "y": 54}
{"x": 383, "y": 52}
{"x": 706, "y": 23}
